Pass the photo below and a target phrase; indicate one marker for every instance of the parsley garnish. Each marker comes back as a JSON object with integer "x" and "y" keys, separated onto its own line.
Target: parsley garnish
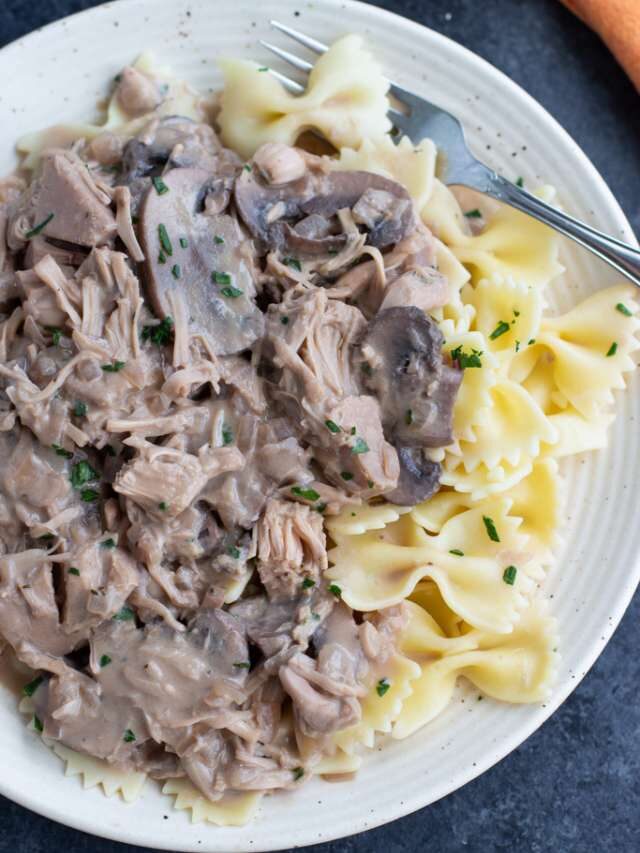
{"x": 622, "y": 308}
{"x": 234, "y": 552}
{"x": 38, "y": 228}
{"x": 298, "y": 773}
{"x": 520, "y": 182}
{"x": 56, "y": 334}
{"x": 125, "y": 614}
{"x": 294, "y": 263}
{"x": 30, "y": 688}
{"x": 105, "y": 660}
{"x": 307, "y": 583}
{"x": 219, "y": 240}
{"x": 82, "y": 473}
{"x": 305, "y": 494}
{"x": 221, "y": 277}
{"x": 231, "y": 292}
{"x": 60, "y": 451}
{"x": 160, "y": 333}
{"x": 334, "y": 589}
{"x": 500, "y": 329}
{"x": 457, "y": 552}
{"x": 89, "y": 495}
{"x": 74, "y": 571}
{"x": 247, "y": 167}
{"x": 264, "y": 68}
{"x": 243, "y": 665}
{"x": 165, "y": 242}
{"x": 108, "y": 543}
{"x": 360, "y": 446}
{"x": 492, "y": 533}
{"x": 128, "y": 736}
{"x": 184, "y": 242}
{"x": 37, "y": 723}
{"x": 114, "y": 367}
{"x": 612, "y": 349}
{"x": 408, "y": 417}
{"x": 332, "y": 426}
{"x": 79, "y": 409}
{"x": 531, "y": 341}
{"x": 382, "y": 686}
{"x": 284, "y": 321}
{"x": 346, "y": 475}
{"x": 320, "y": 507}
{"x": 175, "y": 271}
{"x": 162, "y": 258}
{"x": 227, "y": 435}
{"x": 160, "y": 187}
{"x": 474, "y": 214}
{"x": 162, "y": 505}
{"x": 509, "y": 575}
{"x": 465, "y": 359}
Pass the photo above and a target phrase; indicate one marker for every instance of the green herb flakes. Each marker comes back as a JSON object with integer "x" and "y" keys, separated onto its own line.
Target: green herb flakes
{"x": 89, "y": 495}
{"x": 128, "y": 736}
{"x": 162, "y": 506}
{"x": 492, "y": 533}
{"x": 501, "y": 329}
{"x": 622, "y": 308}
{"x": 332, "y": 426}
{"x": 456, "y": 552}
{"x": 284, "y": 321}
{"x": 114, "y": 367}
{"x": 465, "y": 359}
{"x": 360, "y": 446}
{"x": 382, "y": 686}
{"x": 298, "y": 773}
{"x": 520, "y": 182}
{"x": 509, "y": 575}
{"x": 245, "y": 664}
{"x": 80, "y": 409}
{"x": 308, "y": 583}
{"x": 227, "y": 435}
{"x": 612, "y": 349}
{"x": 334, "y": 589}
{"x": 37, "y": 724}
{"x": 74, "y": 571}
{"x": 408, "y": 417}
{"x": 231, "y": 292}
{"x": 305, "y": 494}
{"x": 176, "y": 272}
{"x": 105, "y": 660}
{"x": 221, "y": 277}
{"x": 474, "y": 214}
{"x": 162, "y": 258}
{"x": 108, "y": 543}
{"x": 346, "y": 475}
{"x": 38, "y": 228}
{"x": 159, "y": 185}
{"x": 247, "y": 167}
{"x": 82, "y": 473}
{"x": 160, "y": 333}
{"x": 60, "y": 451}
{"x": 55, "y": 333}
{"x": 125, "y": 614}
{"x": 184, "y": 243}
{"x": 218, "y": 240}
{"x": 234, "y": 552}
{"x": 294, "y": 263}
{"x": 30, "y": 688}
{"x": 165, "y": 241}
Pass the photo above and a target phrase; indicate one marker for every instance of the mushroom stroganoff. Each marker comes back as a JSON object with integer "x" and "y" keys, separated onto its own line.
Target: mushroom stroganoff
{"x": 273, "y": 458}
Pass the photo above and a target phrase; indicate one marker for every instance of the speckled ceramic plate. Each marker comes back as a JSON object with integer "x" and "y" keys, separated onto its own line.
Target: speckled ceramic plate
{"x": 57, "y": 74}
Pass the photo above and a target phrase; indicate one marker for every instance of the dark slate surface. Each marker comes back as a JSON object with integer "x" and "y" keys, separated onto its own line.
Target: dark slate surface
{"x": 573, "y": 786}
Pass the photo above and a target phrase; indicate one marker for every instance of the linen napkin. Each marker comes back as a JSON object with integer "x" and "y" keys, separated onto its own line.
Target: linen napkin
{"x": 618, "y": 23}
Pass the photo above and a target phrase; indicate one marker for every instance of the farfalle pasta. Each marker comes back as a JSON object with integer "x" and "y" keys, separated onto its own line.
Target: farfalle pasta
{"x": 282, "y": 432}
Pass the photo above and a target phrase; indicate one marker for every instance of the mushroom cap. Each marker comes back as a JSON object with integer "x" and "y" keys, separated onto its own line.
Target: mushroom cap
{"x": 414, "y": 385}
{"x": 419, "y": 477}
{"x": 214, "y": 244}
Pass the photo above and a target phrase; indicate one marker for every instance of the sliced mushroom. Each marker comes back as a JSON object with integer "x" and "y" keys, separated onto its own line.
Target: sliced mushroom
{"x": 415, "y": 387}
{"x": 204, "y": 257}
{"x": 271, "y": 210}
{"x": 419, "y": 477}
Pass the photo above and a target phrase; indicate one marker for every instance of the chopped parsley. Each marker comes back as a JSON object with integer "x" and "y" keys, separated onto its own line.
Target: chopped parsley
{"x": 298, "y": 773}
{"x": 305, "y": 494}
{"x": 114, "y": 367}
{"x": 89, "y": 495}
{"x": 82, "y": 473}
{"x": 284, "y": 321}
{"x": 520, "y": 182}
{"x": 294, "y": 263}
{"x": 40, "y": 227}
{"x": 221, "y": 277}
{"x": 165, "y": 242}
{"x": 382, "y": 686}
{"x": 105, "y": 660}
{"x": 245, "y": 664}
{"x": 37, "y": 723}
{"x": 125, "y": 614}
{"x": 60, "y": 451}
{"x": 370, "y": 483}
{"x": 231, "y": 292}
{"x": 74, "y": 571}
{"x": 320, "y": 507}
{"x": 108, "y": 543}
{"x": 128, "y": 736}
{"x": 264, "y": 68}
{"x": 55, "y": 333}
{"x": 218, "y": 240}
{"x": 162, "y": 258}
{"x": 176, "y": 271}
{"x": 234, "y": 552}
{"x": 308, "y": 583}
{"x": 184, "y": 243}
{"x": 474, "y": 214}
{"x": 30, "y": 688}
{"x": 492, "y": 533}
{"x": 509, "y": 575}
{"x": 531, "y": 341}
{"x": 466, "y": 359}
{"x": 227, "y": 435}
{"x": 352, "y": 430}
{"x": 499, "y": 330}
{"x": 162, "y": 505}
{"x": 456, "y": 552}
{"x": 160, "y": 333}
{"x": 334, "y": 589}
{"x": 346, "y": 475}
{"x": 360, "y": 446}
{"x": 612, "y": 349}
{"x": 159, "y": 185}
{"x": 332, "y": 426}
{"x": 247, "y": 167}
{"x": 79, "y": 409}
{"x": 517, "y": 346}
{"x": 408, "y": 417}
{"x": 622, "y": 308}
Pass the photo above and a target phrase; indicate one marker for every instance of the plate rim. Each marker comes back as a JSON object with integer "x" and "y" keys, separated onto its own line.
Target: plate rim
{"x": 459, "y": 778}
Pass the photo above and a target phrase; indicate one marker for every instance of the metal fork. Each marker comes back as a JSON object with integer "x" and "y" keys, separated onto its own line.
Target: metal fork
{"x": 457, "y": 165}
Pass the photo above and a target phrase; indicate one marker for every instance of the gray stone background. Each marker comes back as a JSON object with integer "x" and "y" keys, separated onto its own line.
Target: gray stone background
{"x": 574, "y": 785}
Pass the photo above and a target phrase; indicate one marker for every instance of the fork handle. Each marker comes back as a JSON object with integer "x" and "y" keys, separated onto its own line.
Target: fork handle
{"x": 621, "y": 256}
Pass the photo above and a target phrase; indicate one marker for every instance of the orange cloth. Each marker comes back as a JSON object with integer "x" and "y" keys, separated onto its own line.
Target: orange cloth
{"x": 618, "y": 23}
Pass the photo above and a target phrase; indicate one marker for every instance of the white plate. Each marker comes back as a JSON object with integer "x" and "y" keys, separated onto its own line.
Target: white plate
{"x": 57, "y": 74}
